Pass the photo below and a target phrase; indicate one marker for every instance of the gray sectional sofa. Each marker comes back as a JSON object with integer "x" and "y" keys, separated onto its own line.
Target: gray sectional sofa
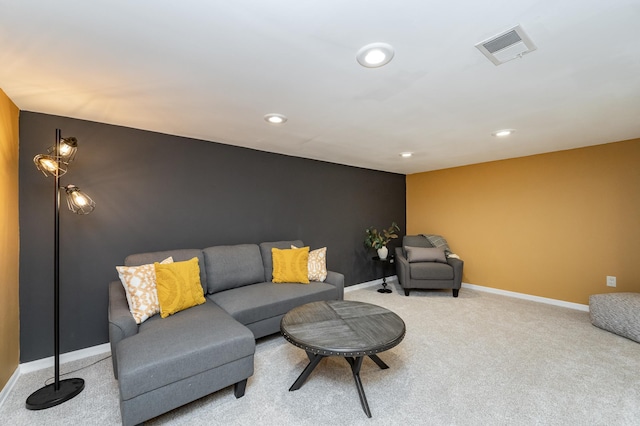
{"x": 164, "y": 363}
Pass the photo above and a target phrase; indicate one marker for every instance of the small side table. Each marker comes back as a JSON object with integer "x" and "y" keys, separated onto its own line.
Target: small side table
{"x": 386, "y": 264}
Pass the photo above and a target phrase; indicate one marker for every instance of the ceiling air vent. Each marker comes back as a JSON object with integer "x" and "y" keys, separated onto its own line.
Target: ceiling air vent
{"x": 508, "y": 45}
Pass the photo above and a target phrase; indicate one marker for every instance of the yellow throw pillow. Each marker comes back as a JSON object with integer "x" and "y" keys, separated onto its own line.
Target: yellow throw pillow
{"x": 290, "y": 265}
{"x": 178, "y": 286}
{"x": 139, "y": 284}
{"x": 317, "y": 264}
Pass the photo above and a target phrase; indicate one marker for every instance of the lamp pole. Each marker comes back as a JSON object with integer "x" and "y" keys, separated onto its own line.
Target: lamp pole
{"x": 56, "y": 267}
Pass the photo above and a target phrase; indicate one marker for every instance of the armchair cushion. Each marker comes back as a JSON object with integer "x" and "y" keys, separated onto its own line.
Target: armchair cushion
{"x": 416, "y": 241}
{"x": 431, "y": 271}
{"x": 425, "y": 254}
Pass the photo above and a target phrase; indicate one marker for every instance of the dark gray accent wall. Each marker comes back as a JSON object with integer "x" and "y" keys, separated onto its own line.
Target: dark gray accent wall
{"x": 158, "y": 192}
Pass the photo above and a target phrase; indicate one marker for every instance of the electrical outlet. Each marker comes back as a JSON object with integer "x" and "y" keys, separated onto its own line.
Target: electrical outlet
{"x": 611, "y": 281}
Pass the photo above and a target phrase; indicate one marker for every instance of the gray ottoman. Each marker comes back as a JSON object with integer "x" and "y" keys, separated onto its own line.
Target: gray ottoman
{"x": 618, "y": 313}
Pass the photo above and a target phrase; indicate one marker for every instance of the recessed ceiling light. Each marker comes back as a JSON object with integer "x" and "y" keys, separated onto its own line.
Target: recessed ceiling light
{"x": 375, "y": 55}
{"x": 406, "y": 154}
{"x": 275, "y": 118}
{"x": 503, "y": 133}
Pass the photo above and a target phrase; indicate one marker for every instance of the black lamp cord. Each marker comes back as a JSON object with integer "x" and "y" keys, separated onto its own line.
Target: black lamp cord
{"x": 50, "y": 379}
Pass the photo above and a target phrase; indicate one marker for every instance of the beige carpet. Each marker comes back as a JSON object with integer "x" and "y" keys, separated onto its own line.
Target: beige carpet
{"x": 480, "y": 359}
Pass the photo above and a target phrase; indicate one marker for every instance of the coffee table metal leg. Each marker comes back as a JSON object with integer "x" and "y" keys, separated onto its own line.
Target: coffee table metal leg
{"x": 306, "y": 372}
{"x": 356, "y": 363}
{"x": 378, "y": 361}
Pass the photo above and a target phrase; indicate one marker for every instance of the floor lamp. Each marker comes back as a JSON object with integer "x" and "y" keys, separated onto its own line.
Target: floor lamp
{"x": 54, "y": 164}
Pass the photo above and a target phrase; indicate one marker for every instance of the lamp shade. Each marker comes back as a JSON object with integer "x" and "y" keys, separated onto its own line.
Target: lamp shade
{"x": 49, "y": 165}
{"x": 78, "y": 201}
{"x": 66, "y": 149}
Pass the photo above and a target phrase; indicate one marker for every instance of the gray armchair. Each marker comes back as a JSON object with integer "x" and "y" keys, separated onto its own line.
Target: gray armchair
{"x": 423, "y": 262}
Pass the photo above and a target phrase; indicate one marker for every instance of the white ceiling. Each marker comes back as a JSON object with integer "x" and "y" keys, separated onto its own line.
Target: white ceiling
{"x": 212, "y": 69}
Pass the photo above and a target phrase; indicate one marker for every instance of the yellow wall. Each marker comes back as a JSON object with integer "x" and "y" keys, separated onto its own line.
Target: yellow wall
{"x": 9, "y": 240}
{"x": 551, "y": 225}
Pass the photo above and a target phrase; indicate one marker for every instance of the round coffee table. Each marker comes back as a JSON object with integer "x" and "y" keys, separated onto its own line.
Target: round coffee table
{"x": 349, "y": 329}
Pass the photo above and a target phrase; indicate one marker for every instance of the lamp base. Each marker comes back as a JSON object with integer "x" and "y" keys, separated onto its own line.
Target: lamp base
{"x": 48, "y": 397}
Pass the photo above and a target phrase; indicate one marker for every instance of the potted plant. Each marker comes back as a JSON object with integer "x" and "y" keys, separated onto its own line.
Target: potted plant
{"x": 379, "y": 240}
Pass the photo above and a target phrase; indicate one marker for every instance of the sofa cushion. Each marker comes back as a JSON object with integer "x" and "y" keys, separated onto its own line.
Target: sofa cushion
{"x": 167, "y": 350}
{"x": 265, "y": 300}
{"x": 232, "y": 266}
{"x": 267, "y": 261}
{"x": 139, "y": 283}
{"x": 317, "y": 266}
{"x": 290, "y": 265}
{"x": 431, "y": 271}
{"x": 177, "y": 255}
{"x": 179, "y": 286}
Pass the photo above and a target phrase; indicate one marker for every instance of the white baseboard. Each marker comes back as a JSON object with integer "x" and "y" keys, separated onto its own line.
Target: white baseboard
{"x": 546, "y": 300}
{"x": 6, "y": 390}
{"x": 40, "y": 364}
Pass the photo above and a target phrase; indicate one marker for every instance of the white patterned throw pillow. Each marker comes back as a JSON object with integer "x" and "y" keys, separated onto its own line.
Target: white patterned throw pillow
{"x": 317, "y": 264}
{"x": 139, "y": 284}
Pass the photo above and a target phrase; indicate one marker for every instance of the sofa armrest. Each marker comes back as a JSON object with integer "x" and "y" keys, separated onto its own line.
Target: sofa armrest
{"x": 121, "y": 322}
{"x": 336, "y": 279}
{"x": 457, "y": 265}
{"x": 402, "y": 267}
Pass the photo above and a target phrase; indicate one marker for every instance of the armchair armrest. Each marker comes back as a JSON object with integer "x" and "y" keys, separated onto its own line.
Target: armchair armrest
{"x": 402, "y": 266}
{"x": 457, "y": 265}
{"x": 121, "y": 322}
{"x": 336, "y": 279}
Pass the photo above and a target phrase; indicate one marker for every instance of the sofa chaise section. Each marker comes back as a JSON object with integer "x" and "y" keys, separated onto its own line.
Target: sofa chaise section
{"x": 176, "y": 360}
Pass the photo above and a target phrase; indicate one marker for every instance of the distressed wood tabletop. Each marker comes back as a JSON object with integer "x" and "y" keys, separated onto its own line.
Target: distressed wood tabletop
{"x": 342, "y": 328}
